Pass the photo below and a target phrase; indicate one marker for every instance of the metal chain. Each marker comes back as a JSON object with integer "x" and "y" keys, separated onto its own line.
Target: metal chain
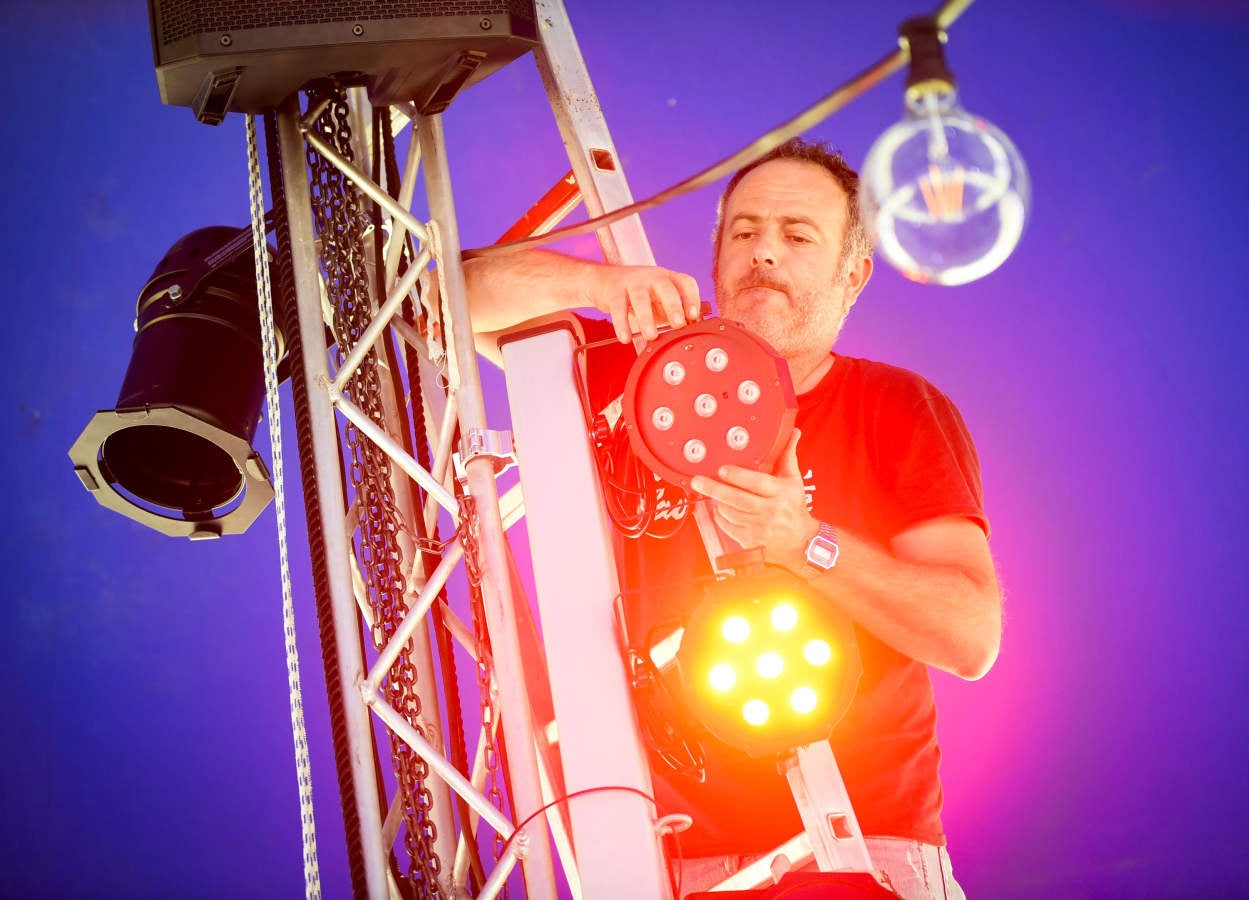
{"x": 340, "y": 224}
{"x": 303, "y": 766}
{"x": 468, "y": 535}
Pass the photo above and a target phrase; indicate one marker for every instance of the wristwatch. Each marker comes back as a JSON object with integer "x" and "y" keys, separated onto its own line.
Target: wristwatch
{"x": 821, "y": 552}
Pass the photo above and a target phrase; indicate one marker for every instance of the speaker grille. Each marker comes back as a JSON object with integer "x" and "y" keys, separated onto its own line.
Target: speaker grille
{"x": 222, "y": 56}
{"x": 183, "y": 18}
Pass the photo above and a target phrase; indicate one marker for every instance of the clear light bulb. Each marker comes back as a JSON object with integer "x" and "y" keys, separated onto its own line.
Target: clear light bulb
{"x": 944, "y": 193}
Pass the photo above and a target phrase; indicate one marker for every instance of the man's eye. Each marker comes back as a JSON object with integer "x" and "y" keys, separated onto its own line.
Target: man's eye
{"x": 743, "y": 235}
{"x": 799, "y": 239}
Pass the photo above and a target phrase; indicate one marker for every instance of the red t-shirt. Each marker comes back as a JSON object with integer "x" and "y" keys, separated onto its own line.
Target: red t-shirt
{"x": 881, "y": 450}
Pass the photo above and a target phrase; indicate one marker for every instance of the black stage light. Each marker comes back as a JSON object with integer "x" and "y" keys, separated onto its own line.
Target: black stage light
{"x": 175, "y": 454}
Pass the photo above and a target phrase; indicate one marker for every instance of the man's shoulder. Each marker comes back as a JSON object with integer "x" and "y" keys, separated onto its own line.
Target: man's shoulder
{"x": 886, "y": 381}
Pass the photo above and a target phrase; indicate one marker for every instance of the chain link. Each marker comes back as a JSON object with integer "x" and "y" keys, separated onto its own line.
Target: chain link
{"x": 340, "y": 224}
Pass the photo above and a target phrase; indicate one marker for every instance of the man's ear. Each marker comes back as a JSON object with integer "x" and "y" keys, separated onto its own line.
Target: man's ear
{"x": 858, "y": 277}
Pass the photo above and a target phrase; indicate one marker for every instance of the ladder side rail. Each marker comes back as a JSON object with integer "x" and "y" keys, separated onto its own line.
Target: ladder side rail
{"x": 583, "y": 127}
{"x": 599, "y": 738}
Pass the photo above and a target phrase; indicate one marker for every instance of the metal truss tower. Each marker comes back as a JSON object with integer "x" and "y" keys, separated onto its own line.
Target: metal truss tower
{"x": 401, "y": 326}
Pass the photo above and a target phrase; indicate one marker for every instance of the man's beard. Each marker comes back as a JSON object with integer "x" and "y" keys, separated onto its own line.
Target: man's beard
{"x": 788, "y": 330}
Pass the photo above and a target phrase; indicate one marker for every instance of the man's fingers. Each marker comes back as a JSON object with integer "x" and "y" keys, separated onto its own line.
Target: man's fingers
{"x": 640, "y": 299}
{"x": 668, "y": 301}
{"x": 725, "y": 494}
{"x": 618, "y": 311}
{"x": 689, "y": 293}
{"x": 787, "y": 464}
{"x": 760, "y": 483}
{"x": 640, "y": 306}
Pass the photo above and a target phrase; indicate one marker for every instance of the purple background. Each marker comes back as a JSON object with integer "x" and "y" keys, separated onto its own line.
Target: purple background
{"x": 147, "y": 751}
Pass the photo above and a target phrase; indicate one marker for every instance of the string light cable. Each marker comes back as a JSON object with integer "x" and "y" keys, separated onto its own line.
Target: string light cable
{"x": 839, "y": 98}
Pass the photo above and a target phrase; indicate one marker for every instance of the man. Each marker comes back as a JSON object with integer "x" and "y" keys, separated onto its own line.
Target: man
{"x": 879, "y": 461}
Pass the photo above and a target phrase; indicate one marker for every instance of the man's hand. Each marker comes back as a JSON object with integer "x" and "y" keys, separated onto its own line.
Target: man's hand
{"x": 506, "y": 290}
{"x": 640, "y": 298}
{"x": 932, "y": 594}
{"x": 758, "y": 509}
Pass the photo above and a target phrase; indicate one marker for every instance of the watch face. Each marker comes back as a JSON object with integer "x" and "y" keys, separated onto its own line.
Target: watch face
{"x": 822, "y": 552}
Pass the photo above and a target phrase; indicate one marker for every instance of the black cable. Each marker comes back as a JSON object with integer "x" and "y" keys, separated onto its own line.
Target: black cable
{"x": 541, "y": 810}
{"x": 630, "y": 490}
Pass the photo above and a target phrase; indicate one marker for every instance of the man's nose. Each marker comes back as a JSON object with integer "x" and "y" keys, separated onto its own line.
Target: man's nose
{"x": 765, "y": 255}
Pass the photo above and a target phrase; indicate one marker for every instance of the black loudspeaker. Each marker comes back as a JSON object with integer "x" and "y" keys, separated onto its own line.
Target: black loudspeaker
{"x": 222, "y": 56}
{"x": 175, "y": 454}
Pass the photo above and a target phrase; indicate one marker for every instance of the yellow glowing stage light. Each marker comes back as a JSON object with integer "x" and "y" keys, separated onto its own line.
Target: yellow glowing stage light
{"x": 764, "y": 664}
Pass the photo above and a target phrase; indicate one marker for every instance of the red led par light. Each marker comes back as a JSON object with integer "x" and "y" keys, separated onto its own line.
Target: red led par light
{"x": 707, "y": 395}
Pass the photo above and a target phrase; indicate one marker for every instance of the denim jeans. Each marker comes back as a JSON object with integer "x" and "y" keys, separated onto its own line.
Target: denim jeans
{"x": 916, "y": 871}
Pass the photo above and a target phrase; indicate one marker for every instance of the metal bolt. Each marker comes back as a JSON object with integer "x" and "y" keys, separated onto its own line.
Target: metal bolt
{"x": 357, "y": 30}
{"x": 225, "y": 40}
{"x": 485, "y": 24}
{"x": 521, "y": 842}
{"x": 175, "y": 292}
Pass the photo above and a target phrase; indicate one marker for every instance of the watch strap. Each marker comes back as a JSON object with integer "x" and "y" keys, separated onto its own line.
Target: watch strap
{"x": 821, "y": 552}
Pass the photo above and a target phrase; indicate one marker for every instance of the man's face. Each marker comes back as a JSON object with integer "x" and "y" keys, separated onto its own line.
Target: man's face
{"x": 778, "y": 271}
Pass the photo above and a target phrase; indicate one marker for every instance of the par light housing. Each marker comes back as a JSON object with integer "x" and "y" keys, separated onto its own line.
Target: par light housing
{"x": 763, "y": 664}
{"x": 706, "y": 395}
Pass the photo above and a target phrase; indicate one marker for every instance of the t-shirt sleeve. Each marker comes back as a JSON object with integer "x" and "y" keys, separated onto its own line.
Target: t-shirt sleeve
{"x": 607, "y": 362}
{"x": 926, "y": 459}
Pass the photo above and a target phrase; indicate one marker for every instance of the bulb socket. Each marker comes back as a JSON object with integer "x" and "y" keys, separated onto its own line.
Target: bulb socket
{"x": 925, "y": 41}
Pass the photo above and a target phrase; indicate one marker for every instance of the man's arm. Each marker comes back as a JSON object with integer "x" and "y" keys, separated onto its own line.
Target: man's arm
{"x": 932, "y": 594}
{"x": 507, "y": 289}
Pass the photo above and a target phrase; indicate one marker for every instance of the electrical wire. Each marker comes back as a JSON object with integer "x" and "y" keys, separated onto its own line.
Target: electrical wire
{"x": 673, "y": 879}
{"x": 850, "y": 90}
{"x": 631, "y": 492}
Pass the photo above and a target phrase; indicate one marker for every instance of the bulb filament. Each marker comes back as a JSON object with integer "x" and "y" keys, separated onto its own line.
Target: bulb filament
{"x": 943, "y": 196}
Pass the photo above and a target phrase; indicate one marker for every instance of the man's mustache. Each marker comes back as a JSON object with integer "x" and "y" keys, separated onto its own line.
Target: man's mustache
{"x": 762, "y": 279}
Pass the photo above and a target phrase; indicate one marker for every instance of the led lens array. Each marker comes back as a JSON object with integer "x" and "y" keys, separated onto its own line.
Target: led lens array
{"x": 707, "y": 395}
{"x": 765, "y": 665}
